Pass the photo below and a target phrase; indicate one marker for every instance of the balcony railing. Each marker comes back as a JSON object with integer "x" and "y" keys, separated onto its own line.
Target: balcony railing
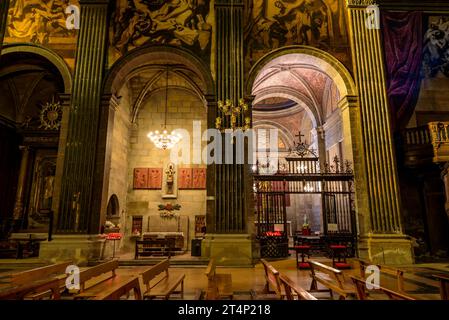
{"x": 416, "y": 136}
{"x": 439, "y": 133}
{"x": 426, "y": 144}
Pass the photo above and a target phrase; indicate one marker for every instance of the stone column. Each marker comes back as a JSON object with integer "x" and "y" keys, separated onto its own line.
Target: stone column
{"x": 211, "y": 169}
{"x": 21, "y": 184}
{"x": 228, "y": 239}
{"x": 445, "y": 177}
{"x": 109, "y": 105}
{"x": 84, "y": 119}
{"x": 78, "y": 221}
{"x": 383, "y": 241}
{"x": 321, "y": 144}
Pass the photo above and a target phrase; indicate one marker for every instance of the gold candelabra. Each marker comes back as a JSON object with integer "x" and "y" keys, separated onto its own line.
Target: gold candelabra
{"x": 230, "y": 114}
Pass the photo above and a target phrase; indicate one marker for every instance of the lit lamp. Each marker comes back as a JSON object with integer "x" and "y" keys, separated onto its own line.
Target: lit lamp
{"x": 164, "y": 140}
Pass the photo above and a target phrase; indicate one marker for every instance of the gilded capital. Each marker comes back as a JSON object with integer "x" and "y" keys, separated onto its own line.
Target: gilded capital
{"x": 360, "y": 3}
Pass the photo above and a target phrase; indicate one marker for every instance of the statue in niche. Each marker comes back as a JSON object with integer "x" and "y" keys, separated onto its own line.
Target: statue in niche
{"x": 49, "y": 182}
{"x": 170, "y": 172}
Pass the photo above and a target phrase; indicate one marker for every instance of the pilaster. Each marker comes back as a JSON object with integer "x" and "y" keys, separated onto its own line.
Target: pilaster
{"x": 383, "y": 198}
{"x": 77, "y": 211}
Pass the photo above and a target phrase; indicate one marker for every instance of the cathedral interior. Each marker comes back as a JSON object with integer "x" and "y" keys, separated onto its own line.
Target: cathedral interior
{"x": 273, "y": 140}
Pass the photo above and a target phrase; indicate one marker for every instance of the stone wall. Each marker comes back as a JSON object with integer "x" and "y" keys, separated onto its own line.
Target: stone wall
{"x": 183, "y": 108}
{"x": 118, "y": 174}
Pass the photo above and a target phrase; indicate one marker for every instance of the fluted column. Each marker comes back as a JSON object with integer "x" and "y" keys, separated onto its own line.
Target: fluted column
{"x": 230, "y": 210}
{"x": 77, "y": 211}
{"x": 229, "y": 237}
{"x": 380, "y": 169}
{"x": 21, "y": 183}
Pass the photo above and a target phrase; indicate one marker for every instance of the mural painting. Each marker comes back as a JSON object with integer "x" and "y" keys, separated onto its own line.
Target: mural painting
{"x": 274, "y": 24}
{"x": 39, "y": 21}
{"x": 436, "y": 47}
{"x": 44, "y": 22}
{"x": 175, "y": 22}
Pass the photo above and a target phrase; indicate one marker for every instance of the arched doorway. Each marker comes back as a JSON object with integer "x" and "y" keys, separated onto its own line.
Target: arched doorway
{"x": 34, "y": 82}
{"x": 144, "y": 177}
{"x": 299, "y": 92}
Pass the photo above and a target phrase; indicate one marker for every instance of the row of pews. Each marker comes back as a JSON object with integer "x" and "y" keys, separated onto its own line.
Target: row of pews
{"x": 100, "y": 282}
{"x": 327, "y": 279}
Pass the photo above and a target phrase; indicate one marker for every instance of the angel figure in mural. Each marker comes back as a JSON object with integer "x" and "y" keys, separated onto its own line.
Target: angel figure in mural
{"x": 174, "y": 22}
{"x": 37, "y": 20}
{"x": 286, "y": 22}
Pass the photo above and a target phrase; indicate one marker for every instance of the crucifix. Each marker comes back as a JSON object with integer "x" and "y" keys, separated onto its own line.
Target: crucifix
{"x": 299, "y": 135}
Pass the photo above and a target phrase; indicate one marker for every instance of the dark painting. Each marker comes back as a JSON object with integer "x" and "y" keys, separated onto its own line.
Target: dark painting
{"x": 275, "y": 24}
{"x": 174, "y": 22}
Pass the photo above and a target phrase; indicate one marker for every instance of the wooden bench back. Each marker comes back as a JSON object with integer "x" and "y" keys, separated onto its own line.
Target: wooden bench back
{"x": 272, "y": 277}
{"x": 98, "y": 270}
{"x": 212, "y": 285}
{"x": 39, "y": 273}
{"x": 333, "y": 273}
{"x": 444, "y": 285}
{"x": 389, "y": 270}
{"x": 362, "y": 294}
{"x": 292, "y": 288}
{"x": 210, "y": 270}
{"x": 154, "y": 271}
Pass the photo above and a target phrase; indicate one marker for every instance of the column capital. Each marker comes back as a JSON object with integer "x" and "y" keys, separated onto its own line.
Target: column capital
{"x": 210, "y": 99}
{"x": 348, "y": 102}
{"x": 94, "y": 2}
{"x": 111, "y": 101}
{"x": 360, "y": 3}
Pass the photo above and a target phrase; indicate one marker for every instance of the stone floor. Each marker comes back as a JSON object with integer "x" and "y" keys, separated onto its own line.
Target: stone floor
{"x": 418, "y": 279}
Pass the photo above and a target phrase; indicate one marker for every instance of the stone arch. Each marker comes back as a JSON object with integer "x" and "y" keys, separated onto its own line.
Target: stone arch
{"x": 46, "y": 53}
{"x": 148, "y": 55}
{"x": 327, "y": 63}
{"x": 113, "y": 209}
{"x": 295, "y": 96}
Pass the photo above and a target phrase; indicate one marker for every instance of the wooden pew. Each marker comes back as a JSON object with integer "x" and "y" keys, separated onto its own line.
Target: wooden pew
{"x": 398, "y": 274}
{"x": 56, "y": 271}
{"x": 13, "y": 291}
{"x": 331, "y": 278}
{"x": 115, "y": 292}
{"x": 97, "y": 271}
{"x": 39, "y": 273}
{"x": 362, "y": 293}
{"x": 159, "y": 283}
{"x": 272, "y": 281}
{"x": 219, "y": 286}
{"x": 444, "y": 285}
{"x": 291, "y": 289}
{"x": 109, "y": 287}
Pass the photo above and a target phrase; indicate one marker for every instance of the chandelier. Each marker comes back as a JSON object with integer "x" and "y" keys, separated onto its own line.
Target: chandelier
{"x": 231, "y": 115}
{"x": 164, "y": 140}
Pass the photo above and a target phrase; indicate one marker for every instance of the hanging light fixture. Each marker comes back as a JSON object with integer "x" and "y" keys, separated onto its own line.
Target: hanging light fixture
{"x": 164, "y": 140}
{"x": 231, "y": 115}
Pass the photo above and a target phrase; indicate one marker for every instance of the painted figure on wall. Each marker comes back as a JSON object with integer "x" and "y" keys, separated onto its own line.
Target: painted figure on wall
{"x": 172, "y": 22}
{"x": 436, "y": 47}
{"x": 274, "y": 24}
{"x": 38, "y": 20}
